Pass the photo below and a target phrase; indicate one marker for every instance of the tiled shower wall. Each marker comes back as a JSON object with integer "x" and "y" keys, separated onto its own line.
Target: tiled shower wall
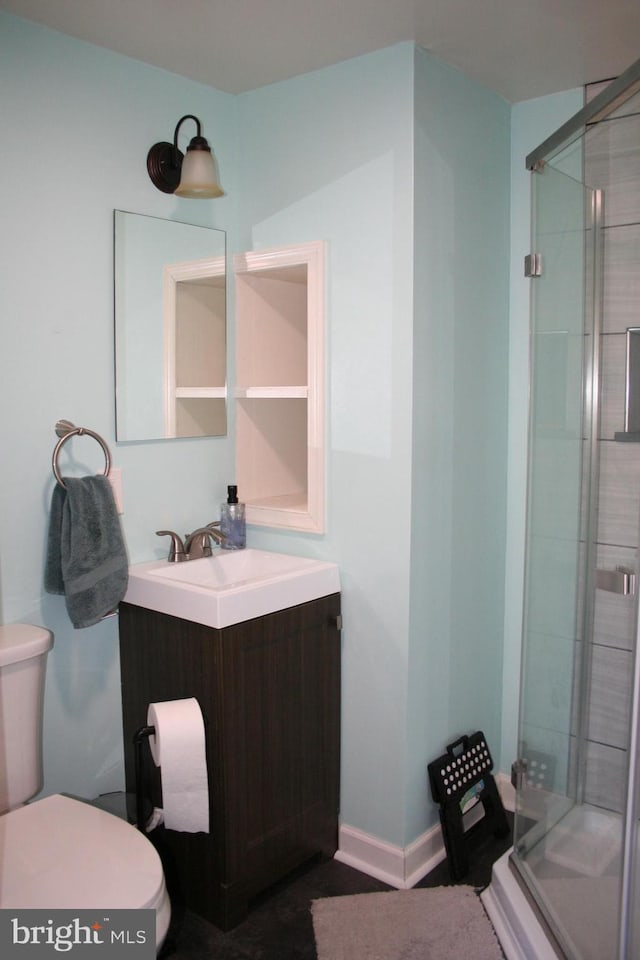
{"x": 612, "y": 163}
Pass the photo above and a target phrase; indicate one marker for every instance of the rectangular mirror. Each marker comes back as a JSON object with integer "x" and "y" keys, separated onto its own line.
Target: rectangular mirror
{"x": 170, "y": 329}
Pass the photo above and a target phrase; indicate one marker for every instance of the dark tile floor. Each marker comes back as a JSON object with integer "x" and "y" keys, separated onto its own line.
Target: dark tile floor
{"x": 279, "y": 925}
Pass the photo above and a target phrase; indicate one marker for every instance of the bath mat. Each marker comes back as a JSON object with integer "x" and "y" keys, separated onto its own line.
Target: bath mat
{"x": 437, "y": 923}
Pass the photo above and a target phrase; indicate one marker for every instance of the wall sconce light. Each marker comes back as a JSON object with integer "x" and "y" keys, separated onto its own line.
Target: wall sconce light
{"x": 193, "y": 175}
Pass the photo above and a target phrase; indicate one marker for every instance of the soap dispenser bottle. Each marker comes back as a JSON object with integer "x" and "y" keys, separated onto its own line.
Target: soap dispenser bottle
{"x": 232, "y": 522}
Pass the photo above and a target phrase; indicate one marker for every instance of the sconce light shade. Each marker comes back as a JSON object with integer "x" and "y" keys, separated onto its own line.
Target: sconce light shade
{"x": 192, "y": 176}
{"x": 198, "y": 172}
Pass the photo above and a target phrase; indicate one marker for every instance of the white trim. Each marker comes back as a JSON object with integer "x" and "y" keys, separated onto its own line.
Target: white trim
{"x": 206, "y": 393}
{"x": 506, "y": 790}
{"x": 518, "y": 929}
{"x": 274, "y": 258}
{"x": 401, "y": 867}
{"x": 423, "y": 855}
{"x": 262, "y": 393}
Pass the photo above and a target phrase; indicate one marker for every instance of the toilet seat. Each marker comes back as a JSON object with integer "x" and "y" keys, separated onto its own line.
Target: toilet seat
{"x": 62, "y": 853}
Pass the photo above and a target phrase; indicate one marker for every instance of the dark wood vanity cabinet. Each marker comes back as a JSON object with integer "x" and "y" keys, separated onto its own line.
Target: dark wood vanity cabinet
{"x": 269, "y": 691}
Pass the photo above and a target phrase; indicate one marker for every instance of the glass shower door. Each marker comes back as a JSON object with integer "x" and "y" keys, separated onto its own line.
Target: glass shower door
{"x": 559, "y": 840}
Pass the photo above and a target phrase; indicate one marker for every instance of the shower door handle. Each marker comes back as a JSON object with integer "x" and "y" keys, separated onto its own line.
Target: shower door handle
{"x": 621, "y": 581}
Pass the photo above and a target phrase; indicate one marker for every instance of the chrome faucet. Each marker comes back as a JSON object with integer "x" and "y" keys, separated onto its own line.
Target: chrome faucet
{"x": 195, "y": 545}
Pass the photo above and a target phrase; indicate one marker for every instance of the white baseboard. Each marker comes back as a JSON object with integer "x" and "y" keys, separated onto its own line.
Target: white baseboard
{"x": 400, "y": 867}
{"x": 507, "y": 791}
{"x": 403, "y": 867}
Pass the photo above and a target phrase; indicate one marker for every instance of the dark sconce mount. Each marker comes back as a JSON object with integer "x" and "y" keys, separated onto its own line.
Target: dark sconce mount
{"x": 193, "y": 175}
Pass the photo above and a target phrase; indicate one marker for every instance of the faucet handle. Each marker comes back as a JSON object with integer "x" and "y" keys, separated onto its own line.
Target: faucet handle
{"x": 197, "y": 544}
{"x": 176, "y": 550}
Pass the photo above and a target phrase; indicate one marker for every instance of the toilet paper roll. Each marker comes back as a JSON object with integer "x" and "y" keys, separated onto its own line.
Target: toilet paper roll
{"x": 178, "y": 748}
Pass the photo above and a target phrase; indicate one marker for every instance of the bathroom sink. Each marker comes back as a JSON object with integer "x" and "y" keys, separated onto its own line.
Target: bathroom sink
{"x": 230, "y": 586}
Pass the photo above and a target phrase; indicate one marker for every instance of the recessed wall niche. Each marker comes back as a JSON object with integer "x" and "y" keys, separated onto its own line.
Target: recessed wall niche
{"x": 280, "y": 385}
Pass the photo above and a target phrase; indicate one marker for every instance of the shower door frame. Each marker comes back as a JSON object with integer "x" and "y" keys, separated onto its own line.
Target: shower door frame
{"x": 599, "y": 108}
{"x": 584, "y": 233}
{"x": 612, "y": 97}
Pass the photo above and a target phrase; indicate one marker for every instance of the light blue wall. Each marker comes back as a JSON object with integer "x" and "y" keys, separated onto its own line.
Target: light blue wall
{"x": 402, "y": 166}
{"x": 77, "y": 123}
{"x": 330, "y": 156}
{"x": 531, "y": 123}
{"x": 460, "y": 418}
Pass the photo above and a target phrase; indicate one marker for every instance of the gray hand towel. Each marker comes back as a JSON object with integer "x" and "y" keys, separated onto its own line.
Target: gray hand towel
{"x": 86, "y": 555}
{"x": 53, "y": 582}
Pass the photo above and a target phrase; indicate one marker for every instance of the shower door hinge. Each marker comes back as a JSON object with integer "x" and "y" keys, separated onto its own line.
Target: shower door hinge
{"x": 533, "y": 265}
{"x": 518, "y": 774}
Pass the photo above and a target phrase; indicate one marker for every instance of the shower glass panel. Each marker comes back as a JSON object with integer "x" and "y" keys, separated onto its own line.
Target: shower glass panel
{"x": 566, "y": 844}
{"x": 577, "y": 776}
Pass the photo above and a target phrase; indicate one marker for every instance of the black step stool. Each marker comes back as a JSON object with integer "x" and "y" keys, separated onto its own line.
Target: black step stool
{"x": 460, "y": 779}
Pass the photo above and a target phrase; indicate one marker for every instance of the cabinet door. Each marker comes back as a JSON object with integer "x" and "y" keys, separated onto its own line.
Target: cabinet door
{"x": 282, "y": 737}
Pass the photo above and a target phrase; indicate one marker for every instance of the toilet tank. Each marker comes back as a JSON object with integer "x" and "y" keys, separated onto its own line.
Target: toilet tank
{"x": 23, "y": 658}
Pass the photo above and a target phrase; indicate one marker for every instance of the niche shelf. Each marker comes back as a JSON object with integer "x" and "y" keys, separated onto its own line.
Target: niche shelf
{"x": 194, "y": 303}
{"x": 280, "y": 385}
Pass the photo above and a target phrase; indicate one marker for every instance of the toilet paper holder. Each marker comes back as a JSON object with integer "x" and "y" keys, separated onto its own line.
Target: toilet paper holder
{"x": 139, "y": 738}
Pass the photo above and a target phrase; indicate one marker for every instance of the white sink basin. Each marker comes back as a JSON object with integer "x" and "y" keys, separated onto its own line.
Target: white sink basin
{"x": 231, "y": 586}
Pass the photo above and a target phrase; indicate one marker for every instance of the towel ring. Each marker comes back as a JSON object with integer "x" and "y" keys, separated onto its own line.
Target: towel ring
{"x": 65, "y": 429}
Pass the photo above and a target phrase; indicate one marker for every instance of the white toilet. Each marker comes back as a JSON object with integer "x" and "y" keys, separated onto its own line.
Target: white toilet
{"x": 58, "y": 852}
